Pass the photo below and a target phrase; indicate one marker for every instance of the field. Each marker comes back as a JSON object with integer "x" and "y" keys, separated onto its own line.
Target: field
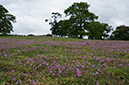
{"x": 63, "y": 61}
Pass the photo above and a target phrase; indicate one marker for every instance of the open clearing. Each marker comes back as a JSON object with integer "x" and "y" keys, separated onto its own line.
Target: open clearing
{"x": 49, "y": 60}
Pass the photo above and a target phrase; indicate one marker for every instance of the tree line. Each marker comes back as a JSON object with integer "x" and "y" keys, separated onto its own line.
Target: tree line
{"x": 81, "y": 22}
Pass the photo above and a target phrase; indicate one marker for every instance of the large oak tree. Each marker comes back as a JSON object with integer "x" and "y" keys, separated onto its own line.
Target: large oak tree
{"x": 79, "y": 17}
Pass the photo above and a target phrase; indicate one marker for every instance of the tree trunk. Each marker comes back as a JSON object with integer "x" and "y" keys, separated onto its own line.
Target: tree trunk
{"x": 81, "y": 37}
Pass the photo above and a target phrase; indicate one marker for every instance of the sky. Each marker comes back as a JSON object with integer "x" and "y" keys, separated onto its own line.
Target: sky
{"x": 31, "y": 14}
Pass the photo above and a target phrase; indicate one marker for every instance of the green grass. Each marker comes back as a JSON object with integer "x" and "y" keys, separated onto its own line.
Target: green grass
{"x": 63, "y": 61}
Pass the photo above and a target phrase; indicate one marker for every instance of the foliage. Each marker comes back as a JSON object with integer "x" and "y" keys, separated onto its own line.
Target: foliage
{"x": 66, "y": 61}
{"x": 54, "y": 24}
{"x": 79, "y": 16}
{"x": 98, "y": 30}
{"x": 121, "y": 33}
{"x": 30, "y": 35}
{"x": 65, "y": 28}
{"x": 81, "y": 23}
{"x": 5, "y": 20}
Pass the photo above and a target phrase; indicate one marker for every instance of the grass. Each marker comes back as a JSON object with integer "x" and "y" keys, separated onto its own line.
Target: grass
{"x": 63, "y": 61}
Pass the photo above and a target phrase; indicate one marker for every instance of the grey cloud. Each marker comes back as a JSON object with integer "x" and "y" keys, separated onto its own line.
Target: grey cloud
{"x": 114, "y": 12}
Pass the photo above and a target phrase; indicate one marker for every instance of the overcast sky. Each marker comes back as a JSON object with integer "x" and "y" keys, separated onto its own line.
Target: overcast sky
{"x": 31, "y": 14}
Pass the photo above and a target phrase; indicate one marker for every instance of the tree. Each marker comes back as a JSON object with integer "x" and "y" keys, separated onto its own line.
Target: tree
{"x": 98, "y": 30}
{"x": 66, "y": 28}
{"x": 79, "y": 16}
{"x": 5, "y": 20}
{"x": 54, "y": 24}
{"x": 121, "y": 33}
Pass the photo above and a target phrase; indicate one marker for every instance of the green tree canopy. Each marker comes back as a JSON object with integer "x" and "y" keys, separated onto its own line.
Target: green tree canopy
{"x": 79, "y": 16}
{"x": 98, "y": 30}
{"x": 81, "y": 22}
{"x": 5, "y": 20}
{"x": 121, "y": 33}
{"x": 66, "y": 28}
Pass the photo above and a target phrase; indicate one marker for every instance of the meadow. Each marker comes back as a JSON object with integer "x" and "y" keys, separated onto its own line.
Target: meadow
{"x": 63, "y": 61}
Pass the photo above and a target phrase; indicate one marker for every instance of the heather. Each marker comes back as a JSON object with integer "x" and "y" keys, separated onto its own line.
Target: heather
{"x": 63, "y": 61}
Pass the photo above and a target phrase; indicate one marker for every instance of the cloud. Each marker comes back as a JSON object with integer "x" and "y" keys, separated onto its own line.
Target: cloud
{"x": 30, "y": 14}
{"x": 114, "y": 12}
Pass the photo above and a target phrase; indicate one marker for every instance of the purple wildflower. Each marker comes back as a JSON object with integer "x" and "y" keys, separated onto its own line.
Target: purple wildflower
{"x": 47, "y": 64}
{"x": 86, "y": 70}
{"x": 30, "y": 64}
{"x": 12, "y": 70}
{"x": 14, "y": 79}
{"x": 83, "y": 66}
{"x": 69, "y": 68}
{"x": 16, "y": 82}
{"x": 58, "y": 74}
{"x": 50, "y": 71}
{"x": 79, "y": 72}
{"x": 33, "y": 82}
{"x": 121, "y": 64}
{"x": 18, "y": 50}
{"x": 96, "y": 72}
{"x": 27, "y": 61}
{"x": 93, "y": 65}
{"x": 53, "y": 74}
{"x": 73, "y": 60}
{"x": 114, "y": 63}
{"x": 97, "y": 83}
{"x": 60, "y": 71}
{"x": 77, "y": 65}
{"x": 93, "y": 73}
{"x": 20, "y": 82}
{"x": 104, "y": 68}
{"x": 87, "y": 66}
{"x": 24, "y": 64}
{"x": 25, "y": 75}
{"x": 5, "y": 54}
{"x": 40, "y": 64}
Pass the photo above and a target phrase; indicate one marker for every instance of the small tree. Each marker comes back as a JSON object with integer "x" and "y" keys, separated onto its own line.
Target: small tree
{"x": 54, "y": 23}
{"x": 5, "y": 20}
{"x": 121, "y": 33}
